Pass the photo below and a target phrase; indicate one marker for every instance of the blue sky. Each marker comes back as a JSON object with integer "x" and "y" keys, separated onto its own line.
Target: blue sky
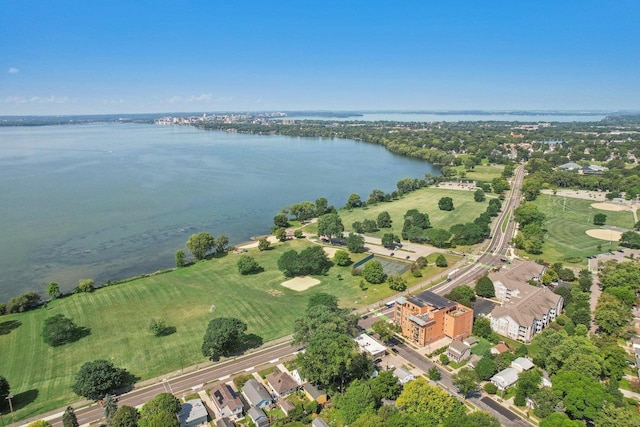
{"x": 74, "y": 57}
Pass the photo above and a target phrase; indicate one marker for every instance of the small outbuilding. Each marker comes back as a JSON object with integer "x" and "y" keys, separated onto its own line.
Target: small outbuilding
{"x": 403, "y": 375}
{"x": 258, "y": 417}
{"x": 314, "y": 393}
{"x": 522, "y": 364}
{"x": 193, "y": 413}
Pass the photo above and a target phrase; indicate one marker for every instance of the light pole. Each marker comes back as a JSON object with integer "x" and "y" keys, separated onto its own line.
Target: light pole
{"x": 10, "y": 407}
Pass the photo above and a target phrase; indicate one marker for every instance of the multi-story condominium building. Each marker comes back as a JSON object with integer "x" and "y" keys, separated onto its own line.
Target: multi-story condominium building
{"x": 428, "y": 317}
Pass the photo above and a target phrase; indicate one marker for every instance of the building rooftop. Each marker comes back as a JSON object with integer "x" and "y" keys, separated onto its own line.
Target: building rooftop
{"x": 458, "y": 347}
{"x": 313, "y": 391}
{"x": 255, "y": 392}
{"x": 223, "y": 395}
{"x": 192, "y": 410}
{"x": 281, "y": 382}
{"x": 532, "y": 306}
{"x": 518, "y": 272}
{"x": 429, "y": 298}
{"x": 368, "y": 344}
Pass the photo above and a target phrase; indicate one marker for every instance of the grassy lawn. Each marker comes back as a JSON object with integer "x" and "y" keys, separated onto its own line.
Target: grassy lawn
{"x": 483, "y": 172}
{"x": 567, "y": 223}
{"x": 41, "y": 376}
{"x": 426, "y": 201}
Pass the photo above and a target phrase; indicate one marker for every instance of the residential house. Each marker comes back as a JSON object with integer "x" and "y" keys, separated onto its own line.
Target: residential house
{"x": 314, "y": 393}
{"x": 193, "y": 413}
{"x": 256, "y": 394}
{"x": 428, "y": 317}
{"x": 319, "y": 422}
{"x": 403, "y": 375}
{"x": 286, "y": 406}
{"x": 458, "y": 351}
{"x": 505, "y": 378}
{"x": 226, "y": 402}
{"x": 470, "y": 341}
{"x": 526, "y": 309}
{"x": 371, "y": 346}
{"x": 522, "y": 364}
{"x": 258, "y": 417}
{"x": 499, "y": 348}
{"x": 225, "y": 422}
{"x": 281, "y": 383}
{"x": 473, "y": 361}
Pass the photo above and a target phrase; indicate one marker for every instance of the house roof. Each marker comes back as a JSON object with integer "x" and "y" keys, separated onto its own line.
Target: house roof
{"x": 255, "y": 392}
{"x": 192, "y": 410}
{"x": 523, "y": 363}
{"x": 368, "y": 344}
{"x": 518, "y": 272}
{"x": 256, "y": 413}
{"x": 570, "y": 166}
{"x": 223, "y": 396}
{"x": 319, "y": 422}
{"x": 524, "y": 310}
{"x": 506, "y": 377}
{"x": 431, "y": 299}
{"x": 470, "y": 341}
{"x": 401, "y": 300}
{"x": 500, "y": 347}
{"x": 286, "y": 405}
{"x": 402, "y": 373}
{"x": 281, "y": 382}
{"x": 458, "y": 347}
{"x": 224, "y": 422}
{"x": 313, "y": 390}
{"x": 473, "y": 360}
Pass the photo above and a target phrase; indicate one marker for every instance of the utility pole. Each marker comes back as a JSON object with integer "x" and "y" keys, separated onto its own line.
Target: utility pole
{"x": 13, "y": 418}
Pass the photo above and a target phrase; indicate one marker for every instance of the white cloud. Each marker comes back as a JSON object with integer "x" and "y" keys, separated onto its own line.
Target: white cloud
{"x": 13, "y": 70}
{"x": 36, "y": 100}
{"x": 202, "y": 98}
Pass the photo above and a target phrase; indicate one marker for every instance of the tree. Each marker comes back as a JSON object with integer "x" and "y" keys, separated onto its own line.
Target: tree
{"x": 499, "y": 185}
{"x": 479, "y": 195}
{"x": 181, "y": 258}
{"x": 289, "y": 263}
{"x": 441, "y": 261}
{"x": 389, "y": 240}
{"x": 630, "y": 239}
{"x": 397, "y": 283}
{"x": 109, "y": 407}
{"x": 281, "y": 220}
{"x": 462, "y": 294}
{"x": 558, "y": 419}
{"x": 583, "y": 397}
{"x": 23, "y": 302}
{"x": 438, "y": 237}
{"x": 69, "y": 418}
{"x": 353, "y": 201}
{"x": 200, "y": 244}
{"x": 528, "y": 213}
{"x": 126, "y": 416}
{"x": 474, "y": 419}
{"x": 486, "y": 368}
{"x": 485, "y": 288}
{"x": 385, "y": 386}
{"x": 384, "y": 329}
{"x": 158, "y": 327}
{"x": 466, "y": 380}
{"x": 5, "y": 391}
{"x": 281, "y": 234}
{"x": 482, "y": 327}
{"x": 85, "y": 285}
{"x": 599, "y": 219}
{"x": 427, "y": 403}
{"x": 446, "y": 204}
{"x": 59, "y": 330}
{"x": 160, "y": 419}
{"x": 357, "y": 400}
{"x": 355, "y": 243}
{"x": 341, "y": 258}
{"x": 332, "y": 360}
{"x": 384, "y": 220}
{"x": 263, "y": 244}
{"x": 370, "y": 226}
{"x": 373, "y": 272}
{"x": 611, "y": 315}
{"x": 330, "y": 225}
{"x": 163, "y": 402}
{"x": 53, "y": 290}
{"x": 323, "y": 299}
{"x": 434, "y": 373}
{"x": 527, "y": 385}
{"x": 248, "y": 265}
{"x": 322, "y": 206}
{"x": 223, "y": 335}
{"x": 221, "y": 244}
{"x": 95, "y": 379}
{"x": 324, "y": 318}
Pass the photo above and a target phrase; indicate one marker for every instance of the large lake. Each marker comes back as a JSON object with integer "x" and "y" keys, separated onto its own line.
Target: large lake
{"x": 110, "y": 201}
{"x": 460, "y": 117}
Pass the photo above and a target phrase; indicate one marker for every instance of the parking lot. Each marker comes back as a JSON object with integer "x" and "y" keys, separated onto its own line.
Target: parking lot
{"x": 620, "y": 255}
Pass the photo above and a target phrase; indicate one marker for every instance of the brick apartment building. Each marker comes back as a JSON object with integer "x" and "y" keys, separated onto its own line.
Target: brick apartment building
{"x": 428, "y": 317}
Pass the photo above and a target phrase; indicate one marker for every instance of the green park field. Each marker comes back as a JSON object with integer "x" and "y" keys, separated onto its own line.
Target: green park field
{"x": 41, "y": 376}
{"x": 426, "y": 201}
{"x": 483, "y": 172}
{"x": 567, "y": 222}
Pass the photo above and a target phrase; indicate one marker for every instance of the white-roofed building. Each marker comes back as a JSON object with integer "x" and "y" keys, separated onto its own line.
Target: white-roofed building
{"x": 505, "y": 378}
{"x": 522, "y": 364}
{"x": 371, "y": 346}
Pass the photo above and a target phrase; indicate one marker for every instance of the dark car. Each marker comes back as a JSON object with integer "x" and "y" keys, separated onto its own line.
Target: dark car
{"x": 621, "y": 251}
{"x": 395, "y": 350}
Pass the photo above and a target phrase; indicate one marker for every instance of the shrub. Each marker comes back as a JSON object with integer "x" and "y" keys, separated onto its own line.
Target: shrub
{"x": 23, "y": 302}
{"x": 341, "y": 258}
{"x": 441, "y": 261}
{"x": 397, "y": 283}
{"x": 85, "y": 285}
{"x": 373, "y": 272}
{"x": 298, "y": 234}
{"x": 59, "y": 330}
{"x": 490, "y": 388}
{"x": 248, "y": 265}
{"x": 444, "y": 359}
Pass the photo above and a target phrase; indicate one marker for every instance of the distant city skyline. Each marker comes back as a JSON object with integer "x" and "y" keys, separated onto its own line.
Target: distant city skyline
{"x": 72, "y": 57}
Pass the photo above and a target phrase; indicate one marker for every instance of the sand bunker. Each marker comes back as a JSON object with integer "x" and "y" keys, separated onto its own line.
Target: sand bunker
{"x": 301, "y": 283}
{"x": 609, "y": 207}
{"x": 330, "y": 251}
{"x": 603, "y": 234}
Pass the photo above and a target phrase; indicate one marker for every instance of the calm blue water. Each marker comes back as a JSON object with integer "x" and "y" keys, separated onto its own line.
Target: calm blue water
{"x": 109, "y": 201}
{"x": 430, "y": 117}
